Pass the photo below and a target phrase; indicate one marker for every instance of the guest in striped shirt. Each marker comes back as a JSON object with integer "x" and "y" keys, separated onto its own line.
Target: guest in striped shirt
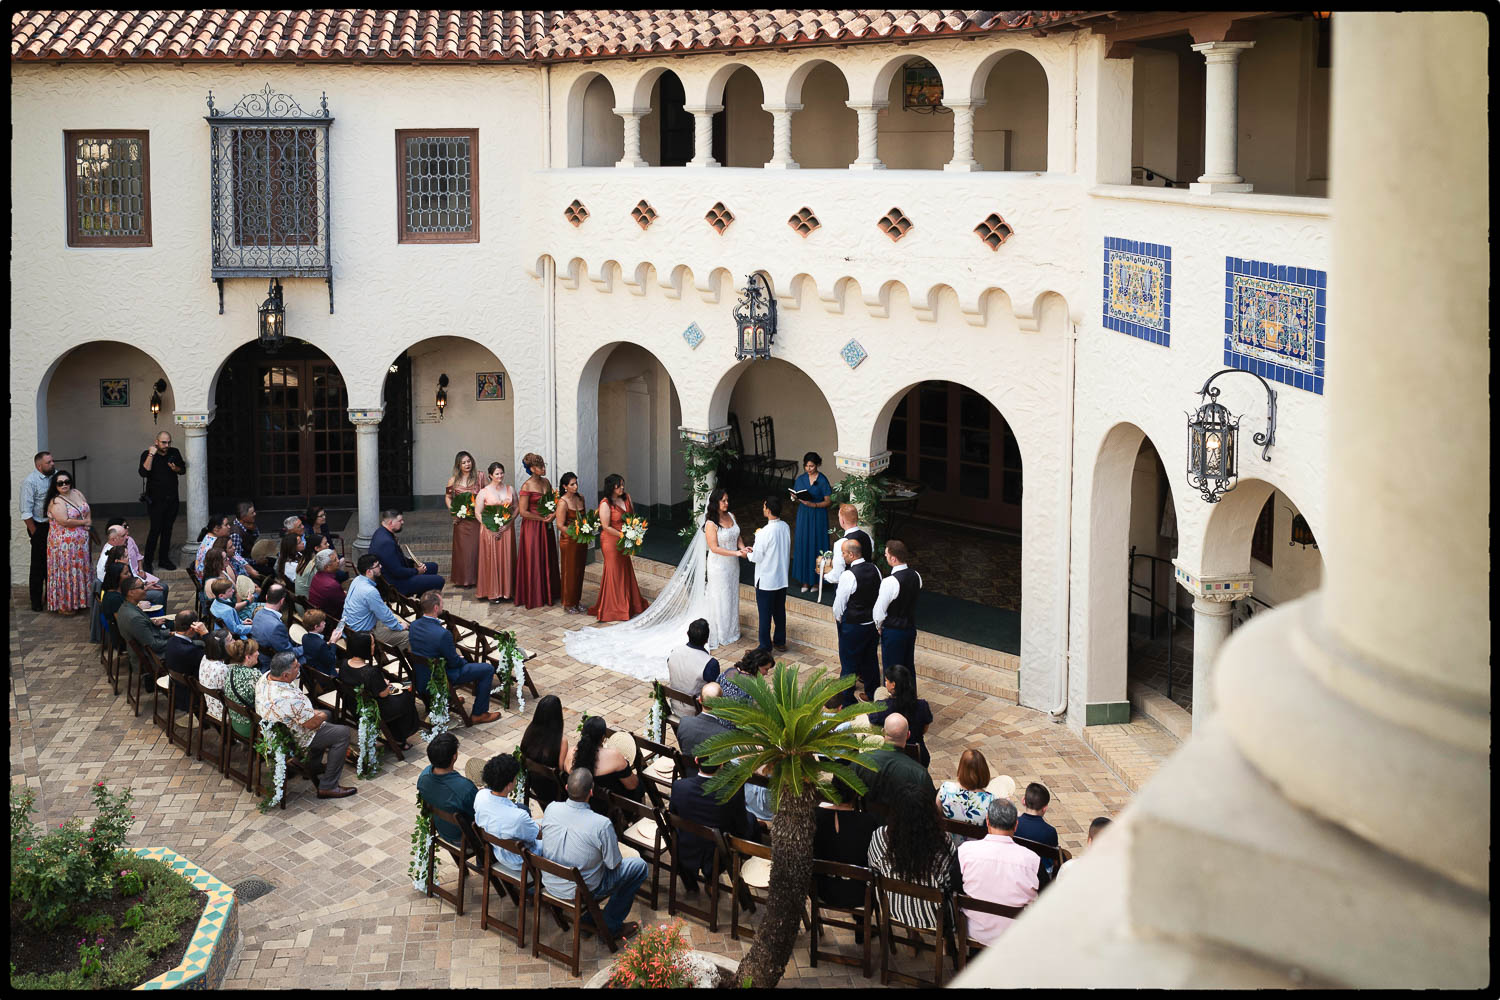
{"x": 911, "y": 846}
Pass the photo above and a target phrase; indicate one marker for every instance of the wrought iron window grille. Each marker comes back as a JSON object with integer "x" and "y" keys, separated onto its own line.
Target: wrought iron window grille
{"x": 269, "y": 213}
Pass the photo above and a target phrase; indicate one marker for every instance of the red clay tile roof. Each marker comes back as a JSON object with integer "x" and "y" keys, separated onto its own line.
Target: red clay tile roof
{"x": 475, "y": 36}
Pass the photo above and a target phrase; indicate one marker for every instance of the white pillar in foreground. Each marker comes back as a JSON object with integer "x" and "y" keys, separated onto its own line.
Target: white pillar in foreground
{"x": 632, "y": 153}
{"x": 781, "y": 135}
{"x": 963, "y": 136}
{"x": 1221, "y": 120}
{"x": 195, "y": 452}
{"x": 869, "y": 125}
{"x": 1211, "y": 621}
{"x": 703, "y": 135}
{"x": 367, "y": 460}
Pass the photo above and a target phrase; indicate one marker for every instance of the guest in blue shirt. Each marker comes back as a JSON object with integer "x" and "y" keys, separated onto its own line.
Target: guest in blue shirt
{"x": 366, "y": 611}
{"x": 270, "y": 631}
{"x": 320, "y": 652}
{"x": 224, "y": 611}
{"x": 431, "y": 639}
{"x": 1031, "y": 826}
{"x": 497, "y": 815}
{"x": 811, "y": 532}
{"x": 441, "y": 786}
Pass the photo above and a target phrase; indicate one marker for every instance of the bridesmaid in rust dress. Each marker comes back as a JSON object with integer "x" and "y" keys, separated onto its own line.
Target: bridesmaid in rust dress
{"x": 465, "y": 568}
{"x": 570, "y": 507}
{"x": 619, "y": 597}
{"x": 537, "y": 583}
{"x": 497, "y": 553}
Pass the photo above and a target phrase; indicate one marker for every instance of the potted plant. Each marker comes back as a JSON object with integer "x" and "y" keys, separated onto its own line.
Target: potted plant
{"x": 786, "y": 727}
{"x": 659, "y": 959}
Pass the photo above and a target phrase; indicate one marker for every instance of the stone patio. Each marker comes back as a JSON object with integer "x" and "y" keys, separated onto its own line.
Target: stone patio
{"x": 343, "y": 914}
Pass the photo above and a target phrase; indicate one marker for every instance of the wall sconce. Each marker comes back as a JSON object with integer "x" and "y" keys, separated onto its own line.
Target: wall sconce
{"x": 1301, "y": 533}
{"x": 1213, "y": 453}
{"x": 271, "y": 319}
{"x": 442, "y": 395}
{"x": 755, "y": 319}
{"x": 161, "y": 387}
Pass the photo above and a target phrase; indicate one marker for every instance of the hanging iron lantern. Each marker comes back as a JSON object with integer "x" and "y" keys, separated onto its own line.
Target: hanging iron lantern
{"x": 1213, "y": 440}
{"x": 1302, "y": 533}
{"x": 272, "y": 319}
{"x": 755, "y": 319}
{"x": 441, "y": 402}
{"x": 157, "y": 390}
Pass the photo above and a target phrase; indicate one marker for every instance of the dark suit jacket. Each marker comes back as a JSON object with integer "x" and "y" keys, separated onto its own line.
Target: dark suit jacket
{"x": 697, "y": 728}
{"x": 690, "y": 802}
{"x": 320, "y": 653}
{"x": 270, "y": 632}
{"x": 394, "y": 565}
{"x": 894, "y": 768}
{"x": 431, "y": 638}
{"x": 183, "y": 655}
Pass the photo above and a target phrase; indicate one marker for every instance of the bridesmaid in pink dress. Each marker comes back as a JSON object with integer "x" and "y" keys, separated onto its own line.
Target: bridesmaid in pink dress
{"x": 538, "y": 582}
{"x": 497, "y": 553}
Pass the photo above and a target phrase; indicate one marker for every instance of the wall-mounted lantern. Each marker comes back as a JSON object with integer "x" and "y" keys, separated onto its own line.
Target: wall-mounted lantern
{"x": 161, "y": 387}
{"x": 1213, "y": 432}
{"x": 1301, "y": 532}
{"x": 271, "y": 329}
{"x": 755, "y": 319}
{"x": 442, "y": 395}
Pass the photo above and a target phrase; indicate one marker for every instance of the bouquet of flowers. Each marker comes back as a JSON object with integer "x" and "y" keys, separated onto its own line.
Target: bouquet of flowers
{"x": 584, "y": 528}
{"x": 547, "y": 505}
{"x": 462, "y": 505}
{"x": 633, "y": 534}
{"x": 497, "y": 517}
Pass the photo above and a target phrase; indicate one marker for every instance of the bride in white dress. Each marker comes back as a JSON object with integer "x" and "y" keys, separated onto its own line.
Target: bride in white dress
{"x": 705, "y": 585}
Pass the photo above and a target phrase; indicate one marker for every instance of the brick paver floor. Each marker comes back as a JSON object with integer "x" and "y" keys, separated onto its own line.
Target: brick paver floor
{"x": 343, "y": 914}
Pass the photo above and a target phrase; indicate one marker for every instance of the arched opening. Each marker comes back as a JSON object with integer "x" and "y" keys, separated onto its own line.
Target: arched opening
{"x": 667, "y": 130}
{"x": 597, "y": 135}
{"x": 94, "y": 415}
{"x": 916, "y": 130}
{"x": 1010, "y": 129}
{"x": 1161, "y": 615}
{"x": 1256, "y": 526}
{"x": 628, "y": 415}
{"x": 745, "y": 125}
{"x": 825, "y": 133}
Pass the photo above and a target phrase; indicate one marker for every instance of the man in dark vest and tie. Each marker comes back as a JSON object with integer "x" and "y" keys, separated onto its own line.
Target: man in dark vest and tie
{"x": 896, "y": 609}
{"x": 854, "y": 613}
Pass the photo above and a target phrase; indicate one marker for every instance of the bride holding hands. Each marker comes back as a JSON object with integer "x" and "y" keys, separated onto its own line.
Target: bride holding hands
{"x": 724, "y": 554}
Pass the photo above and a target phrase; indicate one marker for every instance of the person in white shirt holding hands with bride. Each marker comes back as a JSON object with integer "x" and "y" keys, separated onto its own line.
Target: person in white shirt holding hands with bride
{"x": 772, "y": 554}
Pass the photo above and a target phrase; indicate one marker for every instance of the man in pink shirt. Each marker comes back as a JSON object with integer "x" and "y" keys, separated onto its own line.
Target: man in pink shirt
{"x": 998, "y": 870}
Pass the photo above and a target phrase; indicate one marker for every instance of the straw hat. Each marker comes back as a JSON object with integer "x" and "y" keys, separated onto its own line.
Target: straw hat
{"x": 1002, "y": 786}
{"x": 474, "y": 770}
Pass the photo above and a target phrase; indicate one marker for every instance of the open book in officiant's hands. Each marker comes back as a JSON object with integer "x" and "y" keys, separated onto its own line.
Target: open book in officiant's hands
{"x": 799, "y": 495}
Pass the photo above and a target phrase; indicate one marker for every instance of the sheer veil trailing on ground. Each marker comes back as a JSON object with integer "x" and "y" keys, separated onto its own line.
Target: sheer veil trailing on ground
{"x": 640, "y": 646}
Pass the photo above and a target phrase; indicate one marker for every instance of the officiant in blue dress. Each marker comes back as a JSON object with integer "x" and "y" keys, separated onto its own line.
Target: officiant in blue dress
{"x": 811, "y": 534}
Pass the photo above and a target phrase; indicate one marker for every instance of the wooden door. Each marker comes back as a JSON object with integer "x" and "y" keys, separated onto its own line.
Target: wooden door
{"x": 950, "y": 439}
{"x": 304, "y": 442}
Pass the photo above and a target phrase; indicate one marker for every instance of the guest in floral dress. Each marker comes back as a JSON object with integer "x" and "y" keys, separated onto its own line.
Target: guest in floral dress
{"x": 243, "y": 657}
{"x": 967, "y": 799}
{"x": 68, "y": 577}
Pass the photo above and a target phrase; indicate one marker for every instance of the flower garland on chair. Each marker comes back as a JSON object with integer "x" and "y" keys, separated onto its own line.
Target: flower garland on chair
{"x": 656, "y": 715}
{"x": 512, "y": 671}
{"x": 437, "y": 699}
{"x": 518, "y": 794}
{"x": 421, "y": 848}
{"x": 274, "y": 747}
{"x": 368, "y": 765}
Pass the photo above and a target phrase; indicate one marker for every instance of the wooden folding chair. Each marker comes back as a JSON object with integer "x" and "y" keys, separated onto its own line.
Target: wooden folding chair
{"x": 771, "y": 467}
{"x": 648, "y": 753}
{"x": 294, "y": 769}
{"x": 962, "y": 904}
{"x": 348, "y": 698}
{"x": 250, "y": 776}
{"x": 544, "y": 785}
{"x": 110, "y": 651}
{"x": 718, "y": 869}
{"x": 135, "y": 667}
{"x": 675, "y": 696}
{"x": 885, "y": 887}
{"x": 455, "y": 703}
{"x": 207, "y": 721}
{"x": 156, "y": 676}
{"x": 750, "y": 874}
{"x": 575, "y": 908}
{"x": 483, "y": 643}
{"x": 640, "y": 828}
{"x": 460, "y": 852}
{"x": 968, "y": 831}
{"x": 1047, "y": 853}
{"x": 178, "y": 681}
{"x": 499, "y": 879}
{"x": 852, "y": 918}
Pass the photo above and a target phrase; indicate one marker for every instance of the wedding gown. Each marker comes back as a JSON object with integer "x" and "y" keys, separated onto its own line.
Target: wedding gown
{"x": 724, "y": 589}
{"x": 639, "y": 647}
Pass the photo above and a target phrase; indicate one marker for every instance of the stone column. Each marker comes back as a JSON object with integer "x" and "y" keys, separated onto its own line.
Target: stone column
{"x": 703, "y": 135}
{"x": 781, "y": 136}
{"x": 963, "y": 136}
{"x": 195, "y": 453}
{"x": 869, "y": 158}
{"x": 632, "y": 153}
{"x": 367, "y": 459}
{"x": 1221, "y": 118}
{"x": 1211, "y": 621}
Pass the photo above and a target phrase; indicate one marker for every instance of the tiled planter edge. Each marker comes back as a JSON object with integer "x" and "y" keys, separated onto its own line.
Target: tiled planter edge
{"x": 207, "y": 959}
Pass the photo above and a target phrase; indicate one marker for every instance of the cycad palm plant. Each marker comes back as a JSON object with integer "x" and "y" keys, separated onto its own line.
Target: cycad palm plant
{"x": 785, "y": 726}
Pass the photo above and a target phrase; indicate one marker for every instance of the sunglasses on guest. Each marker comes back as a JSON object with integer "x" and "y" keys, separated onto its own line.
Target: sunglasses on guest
{"x": 64, "y": 482}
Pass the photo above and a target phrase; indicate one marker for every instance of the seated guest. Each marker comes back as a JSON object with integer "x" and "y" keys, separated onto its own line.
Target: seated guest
{"x": 225, "y": 610}
{"x": 912, "y": 846}
{"x": 1031, "y": 826}
{"x": 268, "y": 628}
{"x": 894, "y": 769}
{"x": 217, "y": 528}
{"x": 183, "y": 652}
{"x": 544, "y": 741}
{"x": 114, "y": 595}
{"x": 398, "y": 706}
{"x": 216, "y": 567}
{"x": 695, "y": 855}
{"x": 289, "y": 558}
{"x": 842, "y": 835}
{"x": 577, "y": 836}
{"x": 315, "y": 522}
{"x": 323, "y": 589}
{"x": 307, "y": 564}
{"x": 317, "y": 651}
{"x": 430, "y": 638}
{"x": 609, "y": 767}
{"x": 758, "y": 801}
{"x": 1099, "y": 823}
{"x": 106, "y": 597}
{"x": 688, "y": 667}
{"x": 242, "y": 538}
{"x": 967, "y": 798}
{"x": 498, "y": 816}
{"x": 213, "y": 671}
{"x": 280, "y": 699}
{"x": 243, "y": 659}
{"x": 901, "y": 683}
{"x": 366, "y": 611}
{"x": 134, "y": 624}
{"x": 696, "y": 728}
{"x": 122, "y": 547}
{"x": 753, "y": 664}
{"x": 997, "y": 870}
{"x": 400, "y": 571}
{"x": 441, "y": 786}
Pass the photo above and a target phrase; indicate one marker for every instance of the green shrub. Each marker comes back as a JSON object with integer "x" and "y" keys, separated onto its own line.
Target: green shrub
{"x": 52, "y": 874}
{"x": 94, "y": 926}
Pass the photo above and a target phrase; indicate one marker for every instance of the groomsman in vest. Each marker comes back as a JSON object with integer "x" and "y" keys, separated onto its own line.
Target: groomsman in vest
{"x": 896, "y": 607}
{"x": 854, "y": 611}
{"x": 849, "y": 521}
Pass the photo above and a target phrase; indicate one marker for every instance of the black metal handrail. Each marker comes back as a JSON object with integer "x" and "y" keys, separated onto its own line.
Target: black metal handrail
{"x": 1148, "y": 594}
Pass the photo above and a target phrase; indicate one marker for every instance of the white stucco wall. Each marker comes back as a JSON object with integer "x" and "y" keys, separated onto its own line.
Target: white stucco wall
{"x": 485, "y": 429}
{"x": 1294, "y": 570}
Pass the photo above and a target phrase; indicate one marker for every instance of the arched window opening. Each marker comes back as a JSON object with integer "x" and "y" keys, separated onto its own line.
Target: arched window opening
{"x": 916, "y": 129}
{"x": 825, "y": 133}
{"x": 1010, "y": 129}
{"x": 744, "y": 125}
{"x": 602, "y": 133}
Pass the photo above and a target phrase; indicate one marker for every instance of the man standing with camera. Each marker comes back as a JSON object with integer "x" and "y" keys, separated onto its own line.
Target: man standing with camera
{"x": 161, "y": 464}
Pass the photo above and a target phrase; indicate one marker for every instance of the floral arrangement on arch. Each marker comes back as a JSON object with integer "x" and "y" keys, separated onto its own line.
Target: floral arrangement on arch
{"x": 655, "y": 959}
{"x": 497, "y": 516}
{"x": 276, "y": 746}
{"x": 633, "y": 534}
{"x": 462, "y": 505}
{"x": 584, "y": 529}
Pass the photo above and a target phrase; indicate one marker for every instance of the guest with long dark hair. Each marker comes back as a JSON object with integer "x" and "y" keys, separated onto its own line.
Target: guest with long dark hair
{"x": 570, "y": 507}
{"x": 537, "y": 576}
{"x": 619, "y": 595}
{"x": 544, "y": 743}
{"x": 901, "y": 685}
{"x": 398, "y": 706}
{"x": 465, "y": 567}
{"x": 911, "y": 846}
{"x": 610, "y": 768}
